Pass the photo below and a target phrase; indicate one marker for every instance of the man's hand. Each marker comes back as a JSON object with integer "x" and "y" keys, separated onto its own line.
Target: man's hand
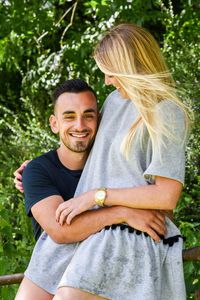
{"x": 18, "y": 176}
{"x": 151, "y": 221}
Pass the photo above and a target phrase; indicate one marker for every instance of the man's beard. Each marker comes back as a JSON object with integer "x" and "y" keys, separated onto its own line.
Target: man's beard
{"x": 79, "y": 146}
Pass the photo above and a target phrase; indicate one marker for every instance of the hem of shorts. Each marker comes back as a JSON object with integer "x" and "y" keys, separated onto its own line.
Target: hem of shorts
{"x": 84, "y": 289}
{"x": 52, "y": 292}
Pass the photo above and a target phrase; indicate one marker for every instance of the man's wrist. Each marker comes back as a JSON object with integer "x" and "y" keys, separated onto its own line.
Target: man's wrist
{"x": 117, "y": 215}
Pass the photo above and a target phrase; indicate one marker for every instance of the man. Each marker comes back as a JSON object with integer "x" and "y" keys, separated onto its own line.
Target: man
{"x": 52, "y": 178}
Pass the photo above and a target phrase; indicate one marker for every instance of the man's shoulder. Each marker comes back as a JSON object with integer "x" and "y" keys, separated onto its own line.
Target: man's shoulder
{"x": 41, "y": 162}
{"x": 45, "y": 158}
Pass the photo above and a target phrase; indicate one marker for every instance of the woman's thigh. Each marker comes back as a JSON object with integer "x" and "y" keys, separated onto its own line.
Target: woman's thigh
{"x": 28, "y": 290}
{"x": 69, "y": 293}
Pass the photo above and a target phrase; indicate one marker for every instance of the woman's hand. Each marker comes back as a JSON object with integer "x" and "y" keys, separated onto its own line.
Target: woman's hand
{"x": 75, "y": 206}
{"x": 18, "y": 176}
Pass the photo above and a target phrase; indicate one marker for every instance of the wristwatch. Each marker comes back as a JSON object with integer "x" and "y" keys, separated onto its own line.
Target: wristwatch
{"x": 100, "y": 196}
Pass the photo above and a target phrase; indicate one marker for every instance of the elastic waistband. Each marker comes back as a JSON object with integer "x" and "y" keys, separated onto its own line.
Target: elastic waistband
{"x": 169, "y": 241}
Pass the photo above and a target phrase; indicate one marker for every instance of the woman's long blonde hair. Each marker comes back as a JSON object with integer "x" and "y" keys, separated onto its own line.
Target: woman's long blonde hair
{"x": 131, "y": 54}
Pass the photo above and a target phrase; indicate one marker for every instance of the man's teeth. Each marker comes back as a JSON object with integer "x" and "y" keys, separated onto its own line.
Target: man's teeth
{"x": 78, "y": 135}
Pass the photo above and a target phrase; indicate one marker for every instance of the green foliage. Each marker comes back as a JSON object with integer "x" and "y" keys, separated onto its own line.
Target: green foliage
{"x": 181, "y": 47}
{"x": 42, "y": 43}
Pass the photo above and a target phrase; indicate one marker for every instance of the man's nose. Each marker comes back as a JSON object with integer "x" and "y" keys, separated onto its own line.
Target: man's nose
{"x": 80, "y": 124}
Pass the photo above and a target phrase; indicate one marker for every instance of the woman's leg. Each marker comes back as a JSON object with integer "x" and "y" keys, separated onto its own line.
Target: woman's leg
{"x": 69, "y": 293}
{"x": 28, "y": 290}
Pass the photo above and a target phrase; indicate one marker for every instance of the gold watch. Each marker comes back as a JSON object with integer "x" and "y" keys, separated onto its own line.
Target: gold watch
{"x": 100, "y": 196}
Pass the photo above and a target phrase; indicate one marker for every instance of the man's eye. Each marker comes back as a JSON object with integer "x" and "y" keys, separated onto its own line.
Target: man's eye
{"x": 89, "y": 116}
{"x": 69, "y": 117}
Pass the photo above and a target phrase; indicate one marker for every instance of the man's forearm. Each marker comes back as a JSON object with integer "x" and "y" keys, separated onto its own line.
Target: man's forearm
{"x": 151, "y": 221}
{"x": 83, "y": 225}
{"x": 92, "y": 221}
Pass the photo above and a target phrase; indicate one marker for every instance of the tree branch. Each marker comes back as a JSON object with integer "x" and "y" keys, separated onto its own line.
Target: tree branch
{"x": 71, "y": 22}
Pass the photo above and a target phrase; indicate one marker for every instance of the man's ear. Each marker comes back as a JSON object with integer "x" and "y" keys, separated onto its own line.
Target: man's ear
{"x": 54, "y": 124}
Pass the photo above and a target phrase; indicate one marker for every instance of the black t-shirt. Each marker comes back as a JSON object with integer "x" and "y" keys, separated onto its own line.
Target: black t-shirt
{"x": 46, "y": 176}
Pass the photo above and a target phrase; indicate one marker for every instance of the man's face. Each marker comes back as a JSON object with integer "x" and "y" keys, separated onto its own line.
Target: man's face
{"x": 76, "y": 119}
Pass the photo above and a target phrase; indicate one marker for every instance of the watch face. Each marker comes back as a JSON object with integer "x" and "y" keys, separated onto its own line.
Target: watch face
{"x": 100, "y": 195}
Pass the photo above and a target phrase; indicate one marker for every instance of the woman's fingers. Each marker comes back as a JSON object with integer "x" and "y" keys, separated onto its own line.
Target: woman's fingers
{"x": 64, "y": 215}
{"x": 73, "y": 207}
{"x": 60, "y": 209}
{"x": 74, "y": 213}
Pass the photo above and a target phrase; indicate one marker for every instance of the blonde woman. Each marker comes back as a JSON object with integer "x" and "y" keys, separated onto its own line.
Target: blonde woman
{"x": 137, "y": 161}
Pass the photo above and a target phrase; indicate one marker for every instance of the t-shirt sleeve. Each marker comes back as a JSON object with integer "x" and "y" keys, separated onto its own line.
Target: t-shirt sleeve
{"x": 37, "y": 185}
{"x": 169, "y": 160}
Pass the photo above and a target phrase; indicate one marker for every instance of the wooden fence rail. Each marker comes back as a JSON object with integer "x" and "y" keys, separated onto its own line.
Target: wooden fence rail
{"x": 192, "y": 254}
{"x": 11, "y": 279}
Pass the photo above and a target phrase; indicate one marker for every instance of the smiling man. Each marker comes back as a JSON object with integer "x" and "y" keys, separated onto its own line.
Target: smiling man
{"x": 52, "y": 178}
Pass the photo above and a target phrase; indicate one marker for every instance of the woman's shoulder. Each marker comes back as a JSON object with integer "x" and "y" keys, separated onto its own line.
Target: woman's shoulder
{"x": 111, "y": 100}
{"x": 113, "y": 96}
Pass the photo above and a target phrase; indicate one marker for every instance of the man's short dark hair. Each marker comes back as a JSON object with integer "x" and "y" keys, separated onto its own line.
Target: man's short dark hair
{"x": 71, "y": 86}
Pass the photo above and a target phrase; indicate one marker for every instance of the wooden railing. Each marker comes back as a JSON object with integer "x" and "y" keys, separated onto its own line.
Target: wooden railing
{"x": 192, "y": 254}
{"x": 11, "y": 279}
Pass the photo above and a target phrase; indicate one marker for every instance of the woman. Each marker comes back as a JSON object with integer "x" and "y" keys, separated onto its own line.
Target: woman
{"x": 138, "y": 161}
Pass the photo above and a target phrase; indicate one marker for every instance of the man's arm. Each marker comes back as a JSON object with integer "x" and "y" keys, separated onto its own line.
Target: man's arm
{"x": 93, "y": 221}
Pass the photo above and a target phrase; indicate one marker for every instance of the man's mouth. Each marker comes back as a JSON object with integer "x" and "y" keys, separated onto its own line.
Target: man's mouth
{"x": 79, "y": 135}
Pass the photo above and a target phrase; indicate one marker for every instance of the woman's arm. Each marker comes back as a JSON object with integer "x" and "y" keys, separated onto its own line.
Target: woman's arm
{"x": 162, "y": 195}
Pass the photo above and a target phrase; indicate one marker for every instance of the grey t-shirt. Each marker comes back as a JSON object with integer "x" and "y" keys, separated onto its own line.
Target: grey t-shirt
{"x": 108, "y": 167}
